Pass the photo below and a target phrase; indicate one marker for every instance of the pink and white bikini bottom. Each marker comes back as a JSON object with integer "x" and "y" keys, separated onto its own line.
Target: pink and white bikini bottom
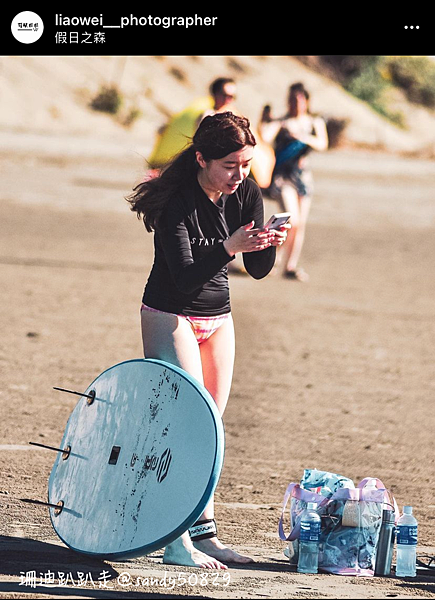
{"x": 203, "y": 327}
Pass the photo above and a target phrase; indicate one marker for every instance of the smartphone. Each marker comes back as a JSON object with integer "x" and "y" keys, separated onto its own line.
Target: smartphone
{"x": 278, "y": 220}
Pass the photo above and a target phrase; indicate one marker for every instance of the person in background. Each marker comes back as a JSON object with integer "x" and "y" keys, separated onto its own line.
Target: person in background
{"x": 175, "y": 135}
{"x": 203, "y": 209}
{"x": 294, "y": 136}
{"x": 223, "y": 90}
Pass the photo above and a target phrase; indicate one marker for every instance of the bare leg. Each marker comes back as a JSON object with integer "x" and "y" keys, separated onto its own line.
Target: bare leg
{"x": 294, "y": 255}
{"x": 217, "y": 355}
{"x": 170, "y": 338}
{"x": 299, "y": 208}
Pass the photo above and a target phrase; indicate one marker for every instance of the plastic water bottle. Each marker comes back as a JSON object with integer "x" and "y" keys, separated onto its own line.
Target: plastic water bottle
{"x": 309, "y": 540}
{"x": 406, "y": 544}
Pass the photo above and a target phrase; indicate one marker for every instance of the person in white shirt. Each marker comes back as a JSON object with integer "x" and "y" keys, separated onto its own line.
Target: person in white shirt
{"x": 293, "y": 136}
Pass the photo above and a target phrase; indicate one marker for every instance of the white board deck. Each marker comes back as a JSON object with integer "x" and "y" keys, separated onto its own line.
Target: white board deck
{"x": 146, "y": 456}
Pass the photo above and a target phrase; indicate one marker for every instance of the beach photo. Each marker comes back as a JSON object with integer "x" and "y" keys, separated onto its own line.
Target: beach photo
{"x": 313, "y": 341}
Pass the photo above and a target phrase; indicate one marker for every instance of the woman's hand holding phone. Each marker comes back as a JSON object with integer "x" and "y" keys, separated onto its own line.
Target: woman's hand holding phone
{"x": 279, "y": 224}
{"x": 247, "y": 239}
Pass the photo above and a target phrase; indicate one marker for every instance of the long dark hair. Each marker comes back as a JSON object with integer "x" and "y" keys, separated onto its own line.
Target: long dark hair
{"x": 294, "y": 90}
{"x": 216, "y": 137}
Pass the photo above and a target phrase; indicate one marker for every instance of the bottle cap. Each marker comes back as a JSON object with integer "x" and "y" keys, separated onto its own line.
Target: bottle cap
{"x": 311, "y": 505}
{"x": 407, "y": 510}
{"x": 371, "y": 484}
{"x": 387, "y": 516}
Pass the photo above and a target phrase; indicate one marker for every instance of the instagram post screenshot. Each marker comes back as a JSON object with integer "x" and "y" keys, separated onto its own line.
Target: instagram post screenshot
{"x": 217, "y": 316}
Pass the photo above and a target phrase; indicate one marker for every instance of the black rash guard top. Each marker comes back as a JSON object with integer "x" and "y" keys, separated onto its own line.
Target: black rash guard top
{"x": 190, "y": 274}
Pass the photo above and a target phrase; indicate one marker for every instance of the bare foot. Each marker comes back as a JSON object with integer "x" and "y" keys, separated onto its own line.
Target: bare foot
{"x": 182, "y": 552}
{"x": 213, "y": 547}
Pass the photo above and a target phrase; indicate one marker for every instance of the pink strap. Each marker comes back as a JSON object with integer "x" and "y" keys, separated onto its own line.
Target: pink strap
{"x": 389, "y": 499}
{"x": 287, "y": 495}
{"x": 294, "y": 490}
{"x": 365, "y": 481}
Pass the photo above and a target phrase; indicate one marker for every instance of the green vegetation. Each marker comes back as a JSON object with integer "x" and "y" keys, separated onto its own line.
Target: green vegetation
{"x": 374, "y": 79}
{"x": 415, "y": 75}
{"x": 373, "y": 85}
{"x": 109, "y": 99}
{"x": 131, "y": 117}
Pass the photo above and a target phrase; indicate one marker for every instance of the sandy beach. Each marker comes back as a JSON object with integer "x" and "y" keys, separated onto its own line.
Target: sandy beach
{"x": 336, "y": 373}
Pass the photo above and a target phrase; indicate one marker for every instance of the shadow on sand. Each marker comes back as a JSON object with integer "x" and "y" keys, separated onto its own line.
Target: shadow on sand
{"x": 53, "y": 570}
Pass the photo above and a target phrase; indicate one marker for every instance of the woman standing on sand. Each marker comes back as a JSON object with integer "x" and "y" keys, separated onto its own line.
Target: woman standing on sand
{"x": 203, "y": 210}
{"x": 293, "y": 137}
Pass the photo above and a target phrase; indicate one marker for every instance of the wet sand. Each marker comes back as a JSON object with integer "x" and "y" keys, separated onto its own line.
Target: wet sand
{"x": 336, "y": 373}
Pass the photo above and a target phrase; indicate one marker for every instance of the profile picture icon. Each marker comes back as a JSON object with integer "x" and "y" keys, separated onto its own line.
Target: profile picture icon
{"x": 27, "y": 27}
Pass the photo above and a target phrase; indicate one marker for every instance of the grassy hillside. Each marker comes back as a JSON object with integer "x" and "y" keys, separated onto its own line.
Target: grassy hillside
{"x": 54, "y": 95}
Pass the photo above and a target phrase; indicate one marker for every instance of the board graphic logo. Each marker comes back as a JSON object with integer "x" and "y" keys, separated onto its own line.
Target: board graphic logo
{"x": 160, "y": 465}
{"x": 27, "y": 27}
{"x": 164, "y": 464}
